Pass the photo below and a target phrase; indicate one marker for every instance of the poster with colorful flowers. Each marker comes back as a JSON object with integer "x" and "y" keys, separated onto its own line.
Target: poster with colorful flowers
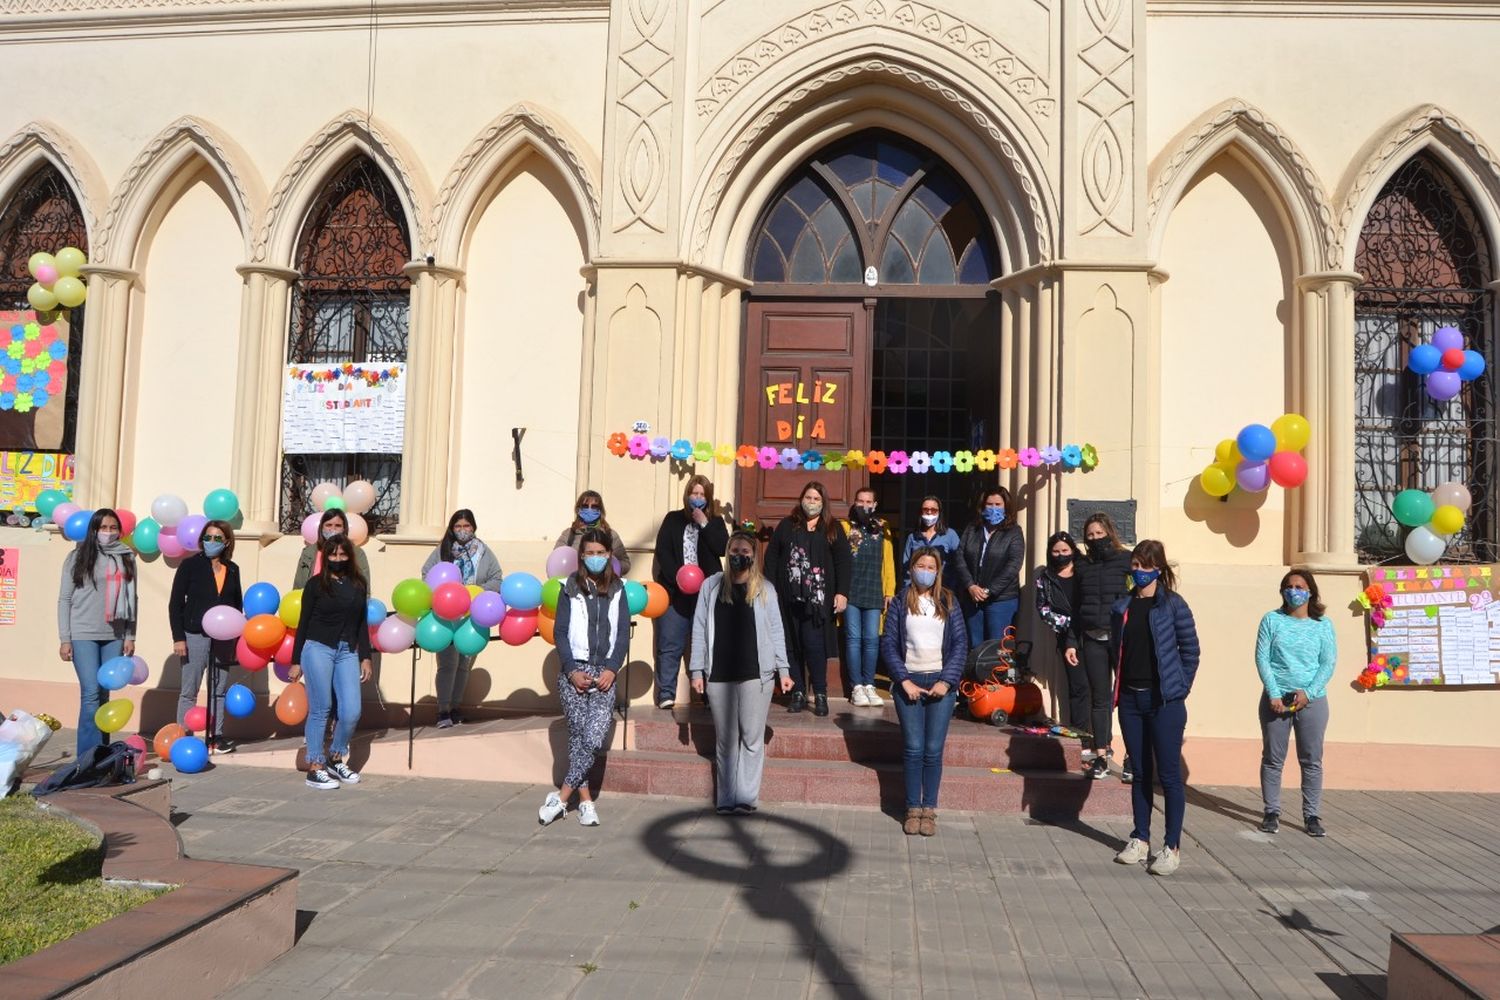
{"x": 344, "y": 408}
{"x": 33, "y": 380}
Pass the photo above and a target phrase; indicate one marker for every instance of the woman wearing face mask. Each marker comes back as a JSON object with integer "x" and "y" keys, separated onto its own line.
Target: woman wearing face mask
{"x": 589, "y": 516}
{"x": 331, "y": 524}
{"x": 479, "y": 567}
{"x": 988, "y": 568}
{"x": 593, "y": 628}
{"x": 204, "y": 580}
{"x": 808, "y": 561}
{"x": 932, "y": 532}
{"x": 693, "y": 535}
{"x": 333, "y": 650}
{"x": 1056, "y": 594}
{"x": 1295, "y": 653}
{"x": 923, "y": 647}
{"x": 1102, "y": 579}
{"x": 96, "y": 615}
{"x": 1154, "y": 640}
{"x": 738, "y": 650}
{"x": 872, "y": 584}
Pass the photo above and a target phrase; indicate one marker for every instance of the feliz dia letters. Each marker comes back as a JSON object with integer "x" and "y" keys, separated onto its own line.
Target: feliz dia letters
{"x": 793, "y": 394}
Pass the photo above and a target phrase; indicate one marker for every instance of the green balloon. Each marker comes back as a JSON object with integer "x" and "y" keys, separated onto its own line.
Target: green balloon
{"x": 636, "y": 597}
{"x": 551, "y": 591}
{"x": 470, "y": 639}
{"x": 221, "y": 505}
{"x": 412, "y": 598}
{"x": 145, "y": 536}
{"x": 1413, "y": 508}
{"x": 47, "y": 501}
{"x": 433, "y": 635}
{"x": 334, "y": 503}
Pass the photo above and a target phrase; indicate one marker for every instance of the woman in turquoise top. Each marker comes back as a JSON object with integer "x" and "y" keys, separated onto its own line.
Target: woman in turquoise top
{"x": 1295, "y": 653}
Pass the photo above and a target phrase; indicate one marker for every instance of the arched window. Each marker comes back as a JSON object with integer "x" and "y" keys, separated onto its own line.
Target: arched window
{"x": 41, "y": 215}
{"x": 1426, "y": 264}
{"x": 350, "y": 304}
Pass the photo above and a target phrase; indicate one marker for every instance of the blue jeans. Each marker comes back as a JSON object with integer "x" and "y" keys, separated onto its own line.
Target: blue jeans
{"x": 924, "y": 730}
{"x": 329, "y": 673}
{"x": 1153, "y": 731}
{"x": 88, "y": 654}
{"x": 672, "y": 630}
{"x": 862, "y": 643}
{"x": 989, "y": 621}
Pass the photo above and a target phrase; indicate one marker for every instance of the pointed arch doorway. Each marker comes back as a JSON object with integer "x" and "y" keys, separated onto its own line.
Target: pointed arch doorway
{"x": 871, "y": 325}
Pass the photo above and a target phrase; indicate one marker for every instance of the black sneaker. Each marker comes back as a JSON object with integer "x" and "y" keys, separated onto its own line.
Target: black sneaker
{"x": 724, "y": 810}
{"x": 1099, "y": 769}
{"x": 343, "y": 772}
{"x": 444, "y": 720}
{"x": 222, "y": 745}
{"x": 1271, "y": 824}
{"x": 798, "y": 702}
{"x": 320, "y": 779}
{"x": 1127, "y": 772}
{"x": 1314, "y": 827}
{"x": 820, "y": 705}
{"x": 744, "y": 809}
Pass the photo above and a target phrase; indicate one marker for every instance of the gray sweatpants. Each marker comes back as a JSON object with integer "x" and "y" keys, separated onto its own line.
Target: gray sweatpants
{"x": 1275, "y": 730}
{"x": 739, "y": 711}
{"x": 200, "y": 649}
{"x": 452, "y": 678}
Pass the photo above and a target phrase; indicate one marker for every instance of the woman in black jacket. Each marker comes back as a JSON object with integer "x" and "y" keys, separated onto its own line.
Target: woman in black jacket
{"x": 1103, "y": 578}
{"x": 1056, "y": 584}
{"x": 808, "y": 560}
{"x": 988, "y": 567}
{"x": 204, "y": 580}
{"x": 693, "y": 535}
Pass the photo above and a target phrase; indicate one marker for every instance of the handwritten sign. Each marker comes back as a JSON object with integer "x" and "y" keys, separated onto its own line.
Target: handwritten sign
{"x": 24, "y": 474}
{"x": 343, "y": 408}
{"x": 9, "y": 573}
{"x": 1443, "y": 623}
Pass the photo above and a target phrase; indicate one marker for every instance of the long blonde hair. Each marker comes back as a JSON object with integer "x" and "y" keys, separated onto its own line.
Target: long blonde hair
{"x": 757, "y": 581}
{"x": 941, "y": 595}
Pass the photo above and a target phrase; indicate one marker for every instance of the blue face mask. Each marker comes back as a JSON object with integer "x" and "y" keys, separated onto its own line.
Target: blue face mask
{"x": 1144, "y": 577}
{"x": 588, "y": 515}
{"x": 924, "y": 578}
{"x": 1296, "y": 596}
{"x": 213, "y": 549}
{"x": 994, "y": 515}
{"x": 595, "y": 564}
{"x": 697, "y": 503}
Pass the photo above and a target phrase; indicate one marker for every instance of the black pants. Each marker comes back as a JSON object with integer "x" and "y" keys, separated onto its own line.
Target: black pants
{"x": 807, "y": 648}
{"x": 1090, "y": 693}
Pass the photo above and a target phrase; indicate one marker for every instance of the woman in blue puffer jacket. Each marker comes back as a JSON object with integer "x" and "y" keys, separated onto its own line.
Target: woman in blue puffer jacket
{"x": 1154, "y": 646}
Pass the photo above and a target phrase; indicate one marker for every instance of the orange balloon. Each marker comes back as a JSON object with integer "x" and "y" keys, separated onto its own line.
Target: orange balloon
{"x": 165, "y": 737}
{"x": 656, "y": 600}
{"x": 291, "y": 706}
{"x": 264, "y": 633}
{"x": 548, "y": 613}
{"x": 547, "y": 626}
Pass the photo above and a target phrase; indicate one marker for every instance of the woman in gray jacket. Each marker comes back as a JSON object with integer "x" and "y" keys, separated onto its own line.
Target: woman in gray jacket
{"x": 738, "y": 645}
{"x": 477, "y": 566}
{"x": 96, "y": 610}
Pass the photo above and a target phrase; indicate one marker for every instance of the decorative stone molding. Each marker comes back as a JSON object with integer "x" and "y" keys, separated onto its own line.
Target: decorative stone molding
{"x": 1107, "y": 119}
{"x": 643, "y": 110}
{"x": 1029, "y": 87}
{"x": 41, "y": 140}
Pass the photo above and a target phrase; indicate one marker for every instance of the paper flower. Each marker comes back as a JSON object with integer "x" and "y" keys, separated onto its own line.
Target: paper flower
{"x": 942, "y": 462}
{"x": 640, "y": 446}
{"x": 854, "y": 459}
{"x": 1072, "y": 456}
{"x": 1030, "y": 458}
{"x": 812, "y": 461}
{"x": 791, "y": 459}
{"x": 703, "y": 451}
{"x": 963, "y": 461}
{"x": 919, "y": 462}
{"x": 745, "y": 456}
{"x": 1090, "y": 456}
{"x": 834, "y": 461}
{"x": 875, "y": 461}
{"x": 984, "y": 460}
{"x": 23, "y": 402}
{"x": 660, "y": 448}
{"x": 682, "y": 449}
{"x": 768, "y": 458}
{"x": 1051, "y": 455}
{"x": 1007, "y": 459}
{"x": 897, "y": 462}
{"x": 724, "y": 454}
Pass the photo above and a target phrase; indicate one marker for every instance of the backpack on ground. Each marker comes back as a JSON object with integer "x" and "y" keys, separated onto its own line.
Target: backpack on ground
{"x": 99, "y": 767}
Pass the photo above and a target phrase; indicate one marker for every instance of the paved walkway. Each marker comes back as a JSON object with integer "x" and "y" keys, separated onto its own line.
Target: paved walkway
{"x": 428, "y": 888}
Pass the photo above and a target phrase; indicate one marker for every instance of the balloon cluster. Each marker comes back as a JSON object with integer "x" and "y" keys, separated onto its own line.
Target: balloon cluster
{"x": 1376, "y": 601}
{"x": 1433, "y": 519}
{"x": 33, "y": 367}
{"x": 353, "y": 500}
{"x": 113, "y": 675}
{"x": 1259, "y": 456}
{"x": 1380, "y": 671}
{"x": 170, "y": 530}
{"x": 57, "y": 279}
{"x": 1444, "y": 363}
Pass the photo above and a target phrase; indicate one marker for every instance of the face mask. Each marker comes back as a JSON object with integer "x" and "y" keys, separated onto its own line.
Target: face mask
{"x": 1296, "y": 596}
{"x": 739, "y": 562}
{"x": 811, "y": 509}
{"x": 1058, "y": 562}
{"x": 924, "y": 578}
{"x": 928, "y": 520}
{"x": 1098, "y": 547}
{"x": 463, "y": 536}
{"x": 1144, "y": 577}
{"x": 330, "y": 532}
{"x": 595, "y": 564}
{"x": 697, "y": 503}
{"x": 588, "y": 515}
{"x": 107, "y": 538}
{"x": 213, "y": 549}
{"x": 338, "y": 567}
{"x": 994, "y": 515}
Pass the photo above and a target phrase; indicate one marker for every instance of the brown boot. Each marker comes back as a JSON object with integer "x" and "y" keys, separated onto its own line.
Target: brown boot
{"x": 913, "y": 824}
{"x": 928, "y": 825}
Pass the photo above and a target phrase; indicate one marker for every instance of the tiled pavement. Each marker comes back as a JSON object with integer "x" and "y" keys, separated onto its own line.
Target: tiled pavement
{"x": 428, "y": 888}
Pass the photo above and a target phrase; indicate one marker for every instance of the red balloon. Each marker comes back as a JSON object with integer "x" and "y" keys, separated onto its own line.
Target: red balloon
{"x": 1453, "y": 359}
{"x": 1288, "y": 469}
{"x": 689, "y": 579}
{"x": 451, "y": 601}
{"x": 196, "y": 719}
{"x": 127, "y": 520}
{"x": 249, "y": 658}
{"x": 284, "y": 651}
{"x": 518, "y": 628}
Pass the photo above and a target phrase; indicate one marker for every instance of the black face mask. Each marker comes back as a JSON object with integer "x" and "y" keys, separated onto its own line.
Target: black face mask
{"x": 739, "y": 562}
{"x": 1099, "y": 548}
{"x": 338, "y": 568}
{"x": 1058, "y": 562}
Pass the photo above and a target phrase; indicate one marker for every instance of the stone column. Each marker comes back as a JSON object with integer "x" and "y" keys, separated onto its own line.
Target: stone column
{"x": 102, "y": 390}
{"x": 426, "y": 457}
{"x": 1325, "y": 395}
{"x": 255, "y": 466}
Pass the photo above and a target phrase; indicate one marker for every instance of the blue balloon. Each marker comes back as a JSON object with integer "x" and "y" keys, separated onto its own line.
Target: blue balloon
{"x": 1472, "y": 368}
{"x": 1257, "y": 443}
{"x": 77, "y": 525}
{"x": 374, "y": 612}
{"x": 262, "y": 599}
{"x": 189, "y": 754}
{"x": 522, "y": 591}
{"x": 1424, "y": 359}
{"x": 115, "y": 673}
{"x": 239, "y": 701}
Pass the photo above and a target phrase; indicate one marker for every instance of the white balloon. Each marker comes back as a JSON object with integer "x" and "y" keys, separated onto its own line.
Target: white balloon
{"x": 1424, "y": 546}
{"x": 168, "y": 510}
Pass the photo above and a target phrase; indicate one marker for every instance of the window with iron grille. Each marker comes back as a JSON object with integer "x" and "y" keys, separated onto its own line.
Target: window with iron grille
{"x": 350, "y": 303}
{"x": 1426, "y": 264}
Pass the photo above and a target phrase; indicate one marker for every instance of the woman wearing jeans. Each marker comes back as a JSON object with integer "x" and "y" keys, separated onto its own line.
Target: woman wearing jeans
{"x": 923, "y": 648}
{"x": 333, "y": 650}
{"x": 988, "y": 568}
{"x": 872, "y": 583}
{"x": 1295, "y": 653}
{"x": 1154, "y": 641}
{"x": 96, "y": 615}
{"x": 204, "y": 580}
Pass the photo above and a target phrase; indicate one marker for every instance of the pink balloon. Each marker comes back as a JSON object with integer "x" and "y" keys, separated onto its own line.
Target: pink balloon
{"x": 1253, "y": 476}
{"x": 487, "y": 610}
{"x": 395, "y": 635}
{"x": 249, "y": 658}
{"x": 518, "y": 627}
{"x": 441, "y": 573}
{"x": 284, "y": 651}
{"x": 137, "y": 742}
{"x": 170, "y": 546}
{"x": 689, "y": 579}
{"x": 46, "y": 275}
{"x": 189, "y": 530}
{"x": 63, "y": 511}
{"x": 359, "y": 528}
{"x": 450, "y": 600}
{"x": 127, "y": 520}
{"x": 195, "y": 720}
{"x": 223, "y": 622}
{"x": 562, "y": 562}
{"x": 310, "y": 529}
{"x": 142, "y": 672}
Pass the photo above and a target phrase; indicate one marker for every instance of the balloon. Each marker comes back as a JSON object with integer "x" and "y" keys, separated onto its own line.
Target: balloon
{"x": 441, "y": 573}
{"x": 127, "y": 521}
{"x": 334, "y": 503}
{"x": 1424, "y": 359}
{"x": 70, "y": 292}
{"x": 1256, "y": 442}
{"x": 487, "y": 610}
{"x": 469, "y": 640}
{"x": 165, "y": 737}
{"x": 77, "y": 525}
{"x": 394, "y": 635}
{"x": 112, "y": 715}
{"x": 310, "y": 528}
{"x": 518, "y": 628}
{"x": 432, "y": 634}
{"x": 1288, "y": 469}
{"x": 290, "y": 609}
{"x": 1424, "y": 547}
{"x": 1227, "y": 452}
{"x": 70, "y": 261}
{"x": 359, "y": 528}
{"x": 46, "y": 275}
{"x": 47, "y": 501}
{"x": 190, "y": 529}
{"x": 451, "y": 601}
{"x": 147, "y": 536}
{"x": 137, "y": 742}
{"x": 563, "y": 561}
{"x": 412, "y": 598}
{"x": 262, "y": 599}
{"x": 635, "y": 597}
{"x": 374, "y": 612}
{"x": 37, "y": 261}
{"x": 1413, "y": 508}
{"x": 168, "y": 510}
{"x": 1447, "y": 520}
{"x": 168, "y": 543}
{"x": 1473, "y": 366}
{"x": 264, "y": 632}
{"x": 321, "y": 494}
{"x": 41, "y": 299}
{"x": 1453, "y": 495}
{"x": 1453, "y": 359}
{"x": 548, "y": 629}
{"x": 286, "y": 649}
{"x": 249, "y": 658}
{"x": 141, "y": 671}
{"x": 291, "y": 706}
{"x": 1443, "y": 386}
{"x": 115, "y": 672}
{"x": 359, "y": 496}
{"x": 221, "y": 505}
{"x": 1252, "y": 477}
{"x": 1445, "y": 338}
{"x": 223, "y": 622}
{"x": 689, "y": 579}
{"x": 522, "y": 592}
{"x": 195, "y": 720}
{"x": 63, "y": 511}
{"x": 657, "y": 600}
{"x": 1217, "y": 481}
{"x": 189, "y": 755}
{"x": 283, "y": 673}
{"x": 1292, "y": 432}
{"x": 474, "y": 590}
{"x": 551, "y": 591}
{"x": 238, "y": 701}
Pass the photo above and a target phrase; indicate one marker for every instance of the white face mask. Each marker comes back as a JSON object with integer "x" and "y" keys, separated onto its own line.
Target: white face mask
{"x": 107, "y": 538}
{"x": 928, "y": 520}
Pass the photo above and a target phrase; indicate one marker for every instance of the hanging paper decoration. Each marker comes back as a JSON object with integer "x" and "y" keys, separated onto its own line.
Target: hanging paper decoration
{"x": 1259, "y": 456}
{"x": 1444, "y": 364}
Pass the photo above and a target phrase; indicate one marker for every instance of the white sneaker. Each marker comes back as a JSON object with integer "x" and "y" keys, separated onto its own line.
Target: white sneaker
{"x": 552, "y": 808}
{"x": 858, "y": 697}
{"x": 1166, "y": 862}
{"x": 1134, "y": 853}
{"x": 872, "y": 696}
{"x": 587, "y": 814}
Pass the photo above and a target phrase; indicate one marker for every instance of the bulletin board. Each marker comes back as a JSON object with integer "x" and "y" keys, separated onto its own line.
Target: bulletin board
{"x": 1441, "y": 622}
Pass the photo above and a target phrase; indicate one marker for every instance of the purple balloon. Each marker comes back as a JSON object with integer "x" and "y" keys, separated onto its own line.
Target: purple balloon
{"x": 562, "y": 562}
{"x": 441, "y": 573}
{"x": 1445, "y": 338}
{"x": 1253, "y": 477}
{"x": 188, "y": 530}
{"x": 487, "y": 610}
{"x": 283, "y": 672}
{"x": 142, "y": 671}
{"x": 1443, "y": 386}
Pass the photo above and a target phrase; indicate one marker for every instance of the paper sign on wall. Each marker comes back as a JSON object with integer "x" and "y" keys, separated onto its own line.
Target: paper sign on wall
{"x": 1443, "y": 622}
{"x": 343, "y": 408}
{"x": 24, "y": 474}
{"x": 9, "y": 595}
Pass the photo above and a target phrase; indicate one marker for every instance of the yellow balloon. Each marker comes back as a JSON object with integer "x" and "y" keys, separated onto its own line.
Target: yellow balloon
{"x": 290, "y": 611}
{"x": 41, "y": 299}
{"x": 112, "y": 715}
{"x": 70, "y": 261}
{"x": 1292, "y": 432}
{"x": 1227, "y": 452}
{"x": 70, "y": 292}
{"x": 36, "y": 260}
{"x": 1447, "y": 520}
{"x": 474, "y": 590}
{"x": 1216, "y": 481}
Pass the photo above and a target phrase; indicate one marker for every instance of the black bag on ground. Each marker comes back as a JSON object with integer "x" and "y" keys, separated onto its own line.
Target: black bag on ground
{"x": 101, "y": 766}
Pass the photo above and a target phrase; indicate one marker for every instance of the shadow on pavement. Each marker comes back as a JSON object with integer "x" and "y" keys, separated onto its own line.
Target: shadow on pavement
{"x": 1348, "y": 986}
